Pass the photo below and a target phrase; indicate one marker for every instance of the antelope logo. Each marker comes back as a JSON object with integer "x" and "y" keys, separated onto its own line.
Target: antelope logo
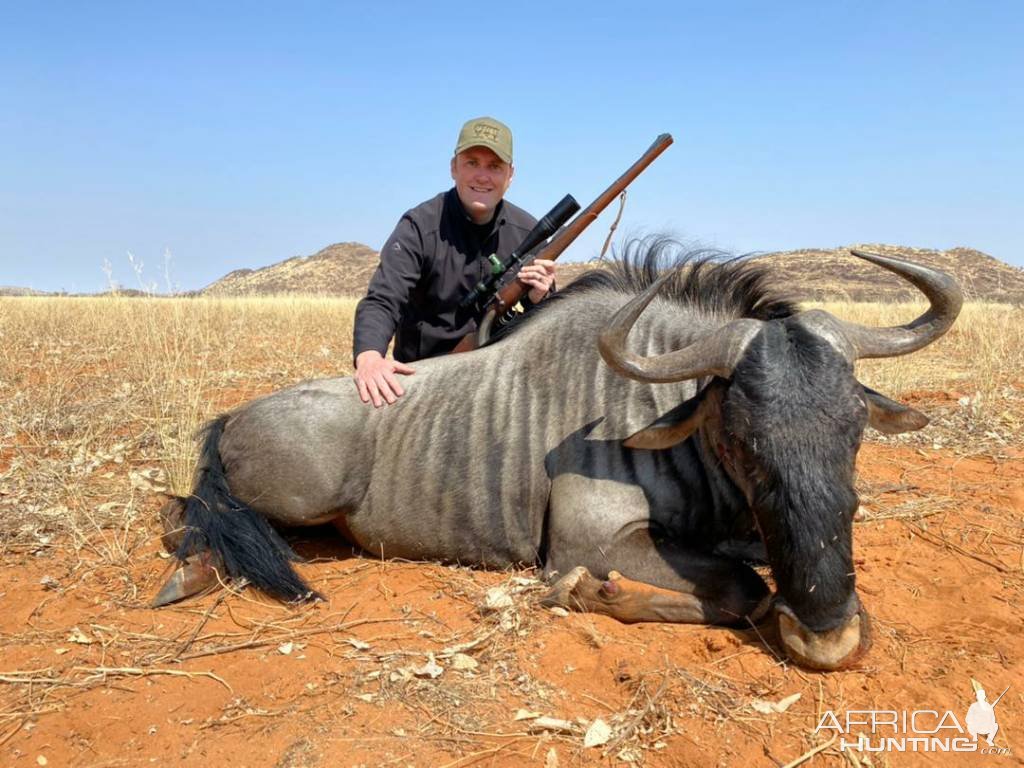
{"x": 981, "y": 716}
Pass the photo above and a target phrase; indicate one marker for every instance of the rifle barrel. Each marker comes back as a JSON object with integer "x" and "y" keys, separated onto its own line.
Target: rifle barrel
{"x": 589, "y": 214}
{"x": 1000, "y": 696}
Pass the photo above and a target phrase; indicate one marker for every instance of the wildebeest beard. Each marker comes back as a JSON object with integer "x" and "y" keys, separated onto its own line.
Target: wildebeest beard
{"x": 794, "y": 416}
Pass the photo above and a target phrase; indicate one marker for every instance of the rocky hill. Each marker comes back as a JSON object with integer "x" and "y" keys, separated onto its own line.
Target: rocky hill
{"x": 813, "y": 273}
{"x": 834, "y": 273}
{"x": 340, "y": 269}
{"x": 11, "y": 290}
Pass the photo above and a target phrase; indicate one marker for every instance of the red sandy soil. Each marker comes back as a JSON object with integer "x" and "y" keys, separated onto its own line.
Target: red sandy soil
{"x": 944, "y": 589}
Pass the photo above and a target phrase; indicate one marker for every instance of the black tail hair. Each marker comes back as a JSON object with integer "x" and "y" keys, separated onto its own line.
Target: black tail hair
{"x": 247, "y": 544}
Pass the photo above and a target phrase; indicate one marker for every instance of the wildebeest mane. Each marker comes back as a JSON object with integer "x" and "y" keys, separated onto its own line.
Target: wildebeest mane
{"x": 704, "y": 279}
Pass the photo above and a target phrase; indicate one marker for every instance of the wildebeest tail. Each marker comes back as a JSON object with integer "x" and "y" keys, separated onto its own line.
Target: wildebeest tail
{"x": 247, "y": 545}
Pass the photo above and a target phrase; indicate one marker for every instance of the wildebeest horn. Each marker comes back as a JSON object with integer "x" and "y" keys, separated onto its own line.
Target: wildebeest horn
{"x": 943, "y": 293}
{"x": 715, "y": 353}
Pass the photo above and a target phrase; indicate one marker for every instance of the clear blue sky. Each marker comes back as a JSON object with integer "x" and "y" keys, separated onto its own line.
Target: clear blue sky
{"x": 239, "y": 135}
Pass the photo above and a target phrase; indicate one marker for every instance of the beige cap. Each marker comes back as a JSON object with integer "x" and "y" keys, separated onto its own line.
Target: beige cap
{"x": 486, "y": 132}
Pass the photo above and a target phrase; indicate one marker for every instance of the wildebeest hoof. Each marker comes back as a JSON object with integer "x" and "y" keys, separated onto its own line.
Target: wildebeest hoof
{"x": 172, "y": 517}
{"x": 571, "y": 590}
{"x": 197, "y": 574}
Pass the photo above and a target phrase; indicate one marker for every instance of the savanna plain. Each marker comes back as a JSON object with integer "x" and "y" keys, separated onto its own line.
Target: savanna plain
{"x": 414, "y": 664}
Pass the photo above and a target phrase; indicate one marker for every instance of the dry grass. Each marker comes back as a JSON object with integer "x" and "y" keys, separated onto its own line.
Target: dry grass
{"x": 970, "y": 382}
{"x": 96, "y": 385}
{"x": 982, "y": 356}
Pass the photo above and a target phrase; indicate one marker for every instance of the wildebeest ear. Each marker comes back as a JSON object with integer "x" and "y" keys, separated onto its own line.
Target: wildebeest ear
{"x": 672, "y": 427}
{"x": 891, "y": 417}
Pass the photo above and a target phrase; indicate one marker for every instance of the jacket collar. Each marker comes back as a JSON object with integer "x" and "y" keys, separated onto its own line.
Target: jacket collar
{"x": 461, "y": 215}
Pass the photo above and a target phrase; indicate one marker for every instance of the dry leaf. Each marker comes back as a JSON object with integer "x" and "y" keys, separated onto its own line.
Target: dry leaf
{"x": 78, "y": 636}
{"x": 597, "y": 734}
{"x": 152, "y": 479}
{"x": 497, "y": 599}
{"x": 431, "y": 669}
{"x": 774, "y": 707}
{"x": 525, "y": 714}
{"x": 783, "y": 704}
{"x": 286, "y": 648}
{"x": 553, "y": 724}
{"x": 551, "y": 761}
{"x": 461, "y": 661}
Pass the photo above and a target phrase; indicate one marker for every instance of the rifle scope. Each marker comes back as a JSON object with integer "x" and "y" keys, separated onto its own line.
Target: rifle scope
{"x": 547, "y": 226}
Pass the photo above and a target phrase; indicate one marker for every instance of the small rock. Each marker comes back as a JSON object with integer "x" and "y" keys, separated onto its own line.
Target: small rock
{"x": 48, "y": 582}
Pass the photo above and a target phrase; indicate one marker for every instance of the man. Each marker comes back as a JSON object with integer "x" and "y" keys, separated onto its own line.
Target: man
{"x": 436, "y": 255}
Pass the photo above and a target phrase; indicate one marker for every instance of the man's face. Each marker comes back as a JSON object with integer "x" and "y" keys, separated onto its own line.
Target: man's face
{"x": 481, "y": 179}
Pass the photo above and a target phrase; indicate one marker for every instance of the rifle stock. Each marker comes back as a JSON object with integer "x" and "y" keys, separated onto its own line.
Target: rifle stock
{"x": 514, "y": 290}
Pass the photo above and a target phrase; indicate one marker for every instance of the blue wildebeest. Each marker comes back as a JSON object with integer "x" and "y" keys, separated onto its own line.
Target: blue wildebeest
{"x": 721, "y": 427}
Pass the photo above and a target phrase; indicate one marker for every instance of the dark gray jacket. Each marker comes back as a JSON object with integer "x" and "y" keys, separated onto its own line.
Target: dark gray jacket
{"x": 433, "y": 259}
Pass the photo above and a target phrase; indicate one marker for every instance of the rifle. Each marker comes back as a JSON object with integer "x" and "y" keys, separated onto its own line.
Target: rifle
{"x": 500, "y": 292}
{"x": 1000, "y": 696}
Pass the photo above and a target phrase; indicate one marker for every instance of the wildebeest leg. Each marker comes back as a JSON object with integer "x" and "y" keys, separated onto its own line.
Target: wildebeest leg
{"x": 172, "y": 517}
{"x": 729, "y": 602}
{"x": 599, "y": 527}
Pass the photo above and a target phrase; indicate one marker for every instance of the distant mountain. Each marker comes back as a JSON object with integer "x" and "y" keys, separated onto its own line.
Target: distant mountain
{"x": 11, "y": 290}
{"x": 342, "y": 269}
{"x": 835, "y": 274}
{"x": 811, "y": 273}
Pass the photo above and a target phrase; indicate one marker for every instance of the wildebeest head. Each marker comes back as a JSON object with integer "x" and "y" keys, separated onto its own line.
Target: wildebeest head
{"x": 785, "y": 415}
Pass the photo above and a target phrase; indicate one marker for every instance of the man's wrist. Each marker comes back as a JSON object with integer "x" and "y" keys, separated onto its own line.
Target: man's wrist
{"x": 365, "y": 355}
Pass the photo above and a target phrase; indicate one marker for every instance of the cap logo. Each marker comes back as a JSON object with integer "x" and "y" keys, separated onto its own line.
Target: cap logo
{"x": 488, "y": 132}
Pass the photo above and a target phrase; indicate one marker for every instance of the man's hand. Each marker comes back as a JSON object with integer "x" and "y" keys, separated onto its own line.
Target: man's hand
{"x": 539, "y": 275}
{"x": 376, "y": 380}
